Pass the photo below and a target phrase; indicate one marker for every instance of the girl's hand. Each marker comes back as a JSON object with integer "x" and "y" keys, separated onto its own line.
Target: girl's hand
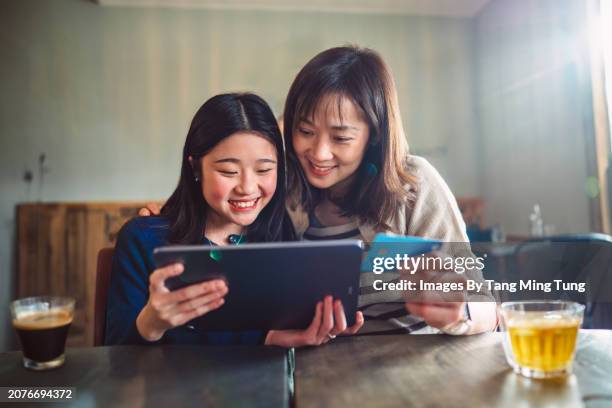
{"x": 329, "y": 321}
{"x": 150, "y": 209}
{"x": 165, "y": 309}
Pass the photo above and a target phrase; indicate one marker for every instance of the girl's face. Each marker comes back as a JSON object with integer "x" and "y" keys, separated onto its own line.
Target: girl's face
{"x": 239, "y": 177}
{"x": 331, "y": 144}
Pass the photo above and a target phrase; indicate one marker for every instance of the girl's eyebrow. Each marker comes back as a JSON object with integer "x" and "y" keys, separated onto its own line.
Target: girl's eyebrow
{"x": 236, "y": 161}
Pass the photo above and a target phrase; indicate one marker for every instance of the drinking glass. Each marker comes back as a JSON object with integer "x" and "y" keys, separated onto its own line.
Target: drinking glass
{"x": 540, "y": 336}
{"x": 42, "y": 325}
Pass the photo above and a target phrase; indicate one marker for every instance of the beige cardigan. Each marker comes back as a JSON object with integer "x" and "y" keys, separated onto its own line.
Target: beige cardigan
{"x": 435, "y": 213}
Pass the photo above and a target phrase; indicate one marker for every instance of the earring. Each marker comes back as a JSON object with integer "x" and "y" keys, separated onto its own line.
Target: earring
{"x": 371, "y": 169}
{"x": 196, "y": 178}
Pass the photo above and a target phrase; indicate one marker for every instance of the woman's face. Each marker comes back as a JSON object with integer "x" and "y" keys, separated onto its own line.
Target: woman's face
{"x": 239, "y": 177}
{"x": 331, "y": 144}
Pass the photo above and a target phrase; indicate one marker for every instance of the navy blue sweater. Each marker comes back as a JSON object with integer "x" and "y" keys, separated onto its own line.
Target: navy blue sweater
{"x": 129, "y": 290}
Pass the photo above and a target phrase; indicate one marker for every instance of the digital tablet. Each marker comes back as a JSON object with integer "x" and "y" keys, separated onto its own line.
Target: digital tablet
{"x": 271, "y": 285}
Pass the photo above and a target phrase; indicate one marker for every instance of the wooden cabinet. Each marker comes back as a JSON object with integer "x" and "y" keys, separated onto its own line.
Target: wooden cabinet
{"x": 58, "y": 244}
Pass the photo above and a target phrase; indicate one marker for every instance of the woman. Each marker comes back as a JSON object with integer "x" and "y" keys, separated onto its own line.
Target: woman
{"x": 231, "y": 190}
{"x": 353, "y": 176}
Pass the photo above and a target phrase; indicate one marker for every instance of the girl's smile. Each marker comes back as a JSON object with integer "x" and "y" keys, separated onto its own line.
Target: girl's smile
{"x": 243, "y": 205}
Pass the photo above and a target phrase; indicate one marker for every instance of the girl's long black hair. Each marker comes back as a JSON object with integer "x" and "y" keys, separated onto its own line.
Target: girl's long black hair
{"x": 220, "y": 117}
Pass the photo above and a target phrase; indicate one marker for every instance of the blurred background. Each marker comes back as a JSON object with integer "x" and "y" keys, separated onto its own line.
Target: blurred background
{"x": 507, "y": 99}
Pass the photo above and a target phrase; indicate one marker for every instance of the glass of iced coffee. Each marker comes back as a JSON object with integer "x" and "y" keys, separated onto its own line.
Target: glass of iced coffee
{"x": 42, "y": 325}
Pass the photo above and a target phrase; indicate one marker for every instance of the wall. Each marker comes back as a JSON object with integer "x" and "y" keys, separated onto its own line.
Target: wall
{"x": 107, "y": 93}
{"x": 534, "y": 112}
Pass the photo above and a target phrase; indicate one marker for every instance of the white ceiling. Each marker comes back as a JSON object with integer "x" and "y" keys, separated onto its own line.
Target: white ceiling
{"x": 449, "y": 8}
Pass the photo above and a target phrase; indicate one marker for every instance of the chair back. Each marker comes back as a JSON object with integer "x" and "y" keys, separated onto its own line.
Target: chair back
{"x": 572, "y": 258}
{"x": 103, "y": 272}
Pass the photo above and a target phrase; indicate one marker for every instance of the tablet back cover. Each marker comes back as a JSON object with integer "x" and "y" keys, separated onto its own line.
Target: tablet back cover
{"x": 271, "y": 286}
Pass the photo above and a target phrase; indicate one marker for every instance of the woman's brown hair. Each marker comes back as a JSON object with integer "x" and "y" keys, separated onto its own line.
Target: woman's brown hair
{"x": 383, "y": 182}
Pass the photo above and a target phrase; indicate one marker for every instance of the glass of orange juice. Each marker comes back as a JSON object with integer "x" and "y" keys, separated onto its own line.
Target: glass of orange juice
{"x": 540, "y": 336}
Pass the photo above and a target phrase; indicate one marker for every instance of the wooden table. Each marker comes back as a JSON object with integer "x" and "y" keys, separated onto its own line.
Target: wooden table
{"x": 163, "y": 376}
{"x": 367, "y": 371}
{"x": 444, "y": 371}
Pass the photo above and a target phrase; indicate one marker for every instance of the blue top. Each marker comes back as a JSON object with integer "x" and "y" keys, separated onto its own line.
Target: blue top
{"x": 129, "y": 290}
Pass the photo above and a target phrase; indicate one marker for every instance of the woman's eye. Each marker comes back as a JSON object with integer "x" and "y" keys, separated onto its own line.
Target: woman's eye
{"x": 306, "y": 132}
{"x": 228, "y": 172}
{"x": 342, "y": 139}
{"x": 264, "y": 171}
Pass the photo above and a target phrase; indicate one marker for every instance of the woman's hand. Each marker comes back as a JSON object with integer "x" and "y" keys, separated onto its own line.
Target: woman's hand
{"x": 150, "y": 209}
{"x": 328, "y": 322}
{"x": 443, "y": 310}
{"x": 165, "y": 309}
{"x": 439, "y": 309}
{"x": 438, "y": 315}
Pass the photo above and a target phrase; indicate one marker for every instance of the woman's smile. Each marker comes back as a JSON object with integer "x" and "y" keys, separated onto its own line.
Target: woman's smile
{"x": 320, "y": 170}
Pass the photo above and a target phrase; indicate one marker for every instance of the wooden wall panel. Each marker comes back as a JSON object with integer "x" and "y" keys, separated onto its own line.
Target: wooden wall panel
{"x": 58, "y": 245}
{"x": 472, "y": 210}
